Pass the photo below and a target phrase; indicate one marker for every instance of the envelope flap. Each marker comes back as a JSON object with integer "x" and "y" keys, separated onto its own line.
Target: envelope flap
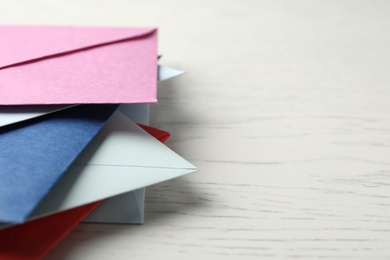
{"x": 20, "y": 44}
{"x": 122, "y": 143}
{"x": 35, "y": 155}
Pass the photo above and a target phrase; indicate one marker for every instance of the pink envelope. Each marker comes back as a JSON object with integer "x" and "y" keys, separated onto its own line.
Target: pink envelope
{"x": 70, "y": 65}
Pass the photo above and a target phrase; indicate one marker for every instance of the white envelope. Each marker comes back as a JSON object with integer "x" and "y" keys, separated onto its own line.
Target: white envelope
{"x": 128, "y": 208}
{"x": 13, "y": 114}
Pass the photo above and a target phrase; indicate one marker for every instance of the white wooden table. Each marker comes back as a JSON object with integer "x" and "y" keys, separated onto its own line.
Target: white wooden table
{"x": 286, "y": 111}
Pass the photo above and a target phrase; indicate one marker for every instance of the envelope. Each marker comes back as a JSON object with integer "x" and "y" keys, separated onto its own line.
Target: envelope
{"x": 73, "y": 65}
{"x": 132, "y": 203}
{"x": 33, "y": 157}
{"x": 121, "y": 158}
{"x": 13, "y": 114}
{"x": 165, "y": 73}
{"x": 34, "y": 239}
{"x": 127, "y": 208}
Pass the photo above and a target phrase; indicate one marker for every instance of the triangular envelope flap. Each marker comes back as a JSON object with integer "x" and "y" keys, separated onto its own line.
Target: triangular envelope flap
{"x": 21, "y": 44}
{"x": 123, "y": 143}
{"x": 165, "y": 73}
{"x": 93, "y": 178}
{"x": 86, "y": 184}
{"x": 33, "y": 157}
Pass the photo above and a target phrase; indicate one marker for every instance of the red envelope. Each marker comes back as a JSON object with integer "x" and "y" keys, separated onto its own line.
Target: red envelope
{"x": 34, "y": 239}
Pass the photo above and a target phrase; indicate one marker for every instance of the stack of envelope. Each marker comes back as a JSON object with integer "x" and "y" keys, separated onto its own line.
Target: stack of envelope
{"x": 74, "y": 140}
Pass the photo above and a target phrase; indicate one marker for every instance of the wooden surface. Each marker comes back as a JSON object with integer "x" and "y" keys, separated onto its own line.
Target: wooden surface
{"x": 286, "y": 111}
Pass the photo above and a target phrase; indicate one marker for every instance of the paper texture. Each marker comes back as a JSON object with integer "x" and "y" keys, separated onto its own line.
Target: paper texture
{"x": 33, "y": 157}
{"x": 14, "y": 114}
{"x": 34, "y": 239}
{"x": 71, "y": 65}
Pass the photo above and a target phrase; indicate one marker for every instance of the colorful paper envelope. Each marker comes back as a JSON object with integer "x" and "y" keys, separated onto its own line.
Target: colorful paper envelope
{"x": 60, "y": 165}
{"x": 34, "y": 156}
{"x": 14, "y": 114}
{"x": 131, "y": 204}
{"x": 72, "y": 65}
{"x": 121, "y": 158}
{"x": 34, "y": 239}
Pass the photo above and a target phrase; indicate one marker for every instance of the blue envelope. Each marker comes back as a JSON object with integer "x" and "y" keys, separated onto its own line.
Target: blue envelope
{"x": 34, "y": 155}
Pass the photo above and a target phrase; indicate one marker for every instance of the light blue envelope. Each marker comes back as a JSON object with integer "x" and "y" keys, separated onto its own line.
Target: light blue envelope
{"x": 121, "y": 158}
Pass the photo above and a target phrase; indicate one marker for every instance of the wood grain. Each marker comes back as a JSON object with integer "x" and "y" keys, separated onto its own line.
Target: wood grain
{"x": 285, "y": 109}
